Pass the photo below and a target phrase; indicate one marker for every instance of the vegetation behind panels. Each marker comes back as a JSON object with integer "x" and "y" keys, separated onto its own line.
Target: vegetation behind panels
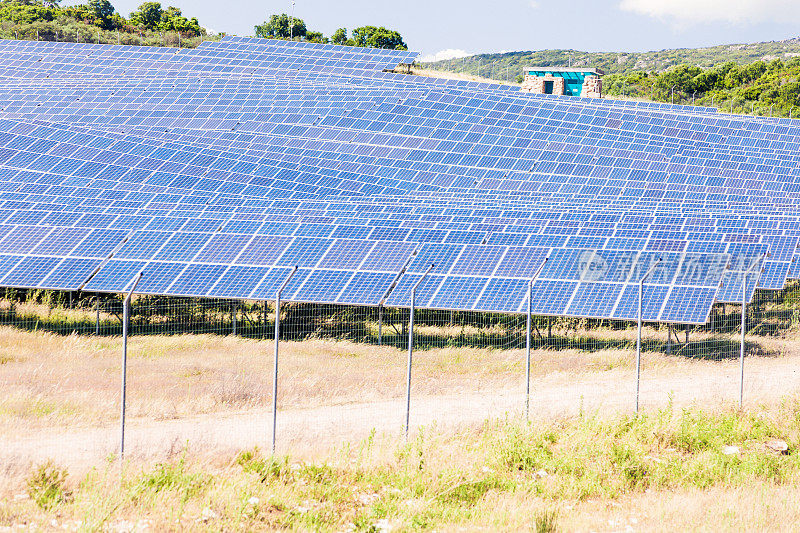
{"x": 97, "y": 20}
{"x": 285, "y": 27}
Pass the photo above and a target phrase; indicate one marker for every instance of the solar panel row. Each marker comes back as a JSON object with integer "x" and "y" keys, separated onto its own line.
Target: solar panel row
{"x": 217, "y": 170}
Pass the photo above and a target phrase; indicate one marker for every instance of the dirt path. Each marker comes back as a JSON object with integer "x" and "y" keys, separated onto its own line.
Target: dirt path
{"x": 312, "y": 431}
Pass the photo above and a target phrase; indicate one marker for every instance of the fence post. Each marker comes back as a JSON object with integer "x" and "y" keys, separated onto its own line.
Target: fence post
{"x": 639, "y": 330}
{"x": 528, "y": 340}
{"x": 669, "y": 339}
{"x": 277, "y": 339}
{"x": 126, "y": 305}
{"x": 233, "y": 317}
{"x": 380, "y": 325}
{"x": 97, "y": 311}
{"x": 756, "y": 263}
{"x": 411, "y": 345}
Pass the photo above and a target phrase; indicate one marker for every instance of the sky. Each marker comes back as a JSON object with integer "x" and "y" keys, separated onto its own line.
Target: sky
{"x": 454, "y": 28}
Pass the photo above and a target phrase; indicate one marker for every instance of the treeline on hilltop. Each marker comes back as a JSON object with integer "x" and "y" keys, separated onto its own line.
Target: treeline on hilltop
{"x": 154, "y": 25}
{"x": 97, "y": 20}
{"x": 284, "y": 26}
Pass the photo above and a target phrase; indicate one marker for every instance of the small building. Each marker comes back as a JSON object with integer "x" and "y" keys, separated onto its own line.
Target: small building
{"x": 583, "y": 82}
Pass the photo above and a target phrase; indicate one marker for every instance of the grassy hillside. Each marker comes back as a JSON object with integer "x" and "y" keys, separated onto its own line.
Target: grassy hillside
{"x": 622, "y": 62}
{"x": 759, "y": 79}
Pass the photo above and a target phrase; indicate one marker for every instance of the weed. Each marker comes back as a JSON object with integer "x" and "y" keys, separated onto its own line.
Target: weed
{"x": 172, "y": 476}
{"x": 634, "y": 471}
{"x": 47, "y": 485}
{"x": 266, "y": 468}
{"x": 319, "y": 474}
{"x": 546, "y": 522}
{"x": 468, "y": 492}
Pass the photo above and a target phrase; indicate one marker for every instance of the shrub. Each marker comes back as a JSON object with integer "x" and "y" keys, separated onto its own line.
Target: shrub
{"x": 47, "y": 485}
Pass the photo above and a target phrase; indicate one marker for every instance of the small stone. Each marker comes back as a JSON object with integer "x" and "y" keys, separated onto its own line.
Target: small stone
{"x": 731, "y": 450}
{"x": 777, "y": 446}
{"x": 208, "y": 514}
{"x": 382, "y": 525}
{"x": 541, "y": 473}
{"x": 253, "y": 501}
{"x": 367, "y": 499}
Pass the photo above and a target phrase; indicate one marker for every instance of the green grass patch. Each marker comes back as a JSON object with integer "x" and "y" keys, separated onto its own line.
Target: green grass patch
{"x": 47, "y": 486}
{"x": 504, "y": 475}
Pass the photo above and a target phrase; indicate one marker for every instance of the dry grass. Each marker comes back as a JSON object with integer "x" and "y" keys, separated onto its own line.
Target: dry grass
{"x": 51, "y": 380}
{"x": 73, "y": 380}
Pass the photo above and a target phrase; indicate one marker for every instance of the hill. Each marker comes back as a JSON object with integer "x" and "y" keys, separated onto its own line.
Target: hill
{"x": 621, "y": 62}
{"x": 760, "y": 78}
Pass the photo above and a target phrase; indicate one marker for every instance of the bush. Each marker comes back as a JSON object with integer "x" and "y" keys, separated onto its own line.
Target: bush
{"x": 47, "y": 485}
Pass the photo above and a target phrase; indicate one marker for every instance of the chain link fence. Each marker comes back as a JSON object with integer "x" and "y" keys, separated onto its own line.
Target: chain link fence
{"x": 200, "y": 371}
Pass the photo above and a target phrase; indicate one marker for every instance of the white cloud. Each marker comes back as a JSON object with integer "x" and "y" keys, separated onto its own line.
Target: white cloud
{"x": 686, "y": 12}
{"x": 534, "y": 4}
{"x": 450, "y": 53}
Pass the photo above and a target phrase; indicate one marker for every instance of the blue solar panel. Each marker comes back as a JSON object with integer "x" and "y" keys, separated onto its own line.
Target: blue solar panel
{"x": 551, "y": 297}
{"x": 653, "y": 297}
{"x": 30, "y": 271}
{"x": 478, "y": 260}
{"x": 238, "y": 282}
{"x": 458, "y": 292}
{"x": 389, "y": 256}
{"x": 504, "y": 295}
{"x": 304, "y": 252}
{"x": 688, "y": 304}
{"x": 322, "y": 286}
{"x": 115, "y": 276}
{"x": 70, "y": 273}
{"x": 346, "y": 254}
{"x": 264, "y": 250}
{"x": 267, "y": 289}
{"x": 23, "y": 239}
{"x": 442, "y": 256}
{"x": 223, "y": 248}
{"x": 366, "y": 288}
{"x": 61, "y": 241}
{"x": 158, "y": 277}
{"x": 197, "y": 280}
{"x": 401, "y": 295}
{"x": 595, "y": 299}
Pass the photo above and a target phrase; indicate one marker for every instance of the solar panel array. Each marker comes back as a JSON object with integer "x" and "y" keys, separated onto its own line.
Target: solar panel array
{"x": 217, "y": 170}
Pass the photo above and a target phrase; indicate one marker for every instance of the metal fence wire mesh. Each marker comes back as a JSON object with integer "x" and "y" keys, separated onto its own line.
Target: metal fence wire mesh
{"x": 200, "y": 371}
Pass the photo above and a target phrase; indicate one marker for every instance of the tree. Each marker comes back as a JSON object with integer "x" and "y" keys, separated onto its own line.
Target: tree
{"x": 103, "y": 12}
{"x": 282, "y": 27}
{"x": 339, "y": 36}
{"x": 148, "y": 15}
{"x": 316, "y": 37}
{"x": 373, "y": 37}
{"x": 152, "y": 17}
